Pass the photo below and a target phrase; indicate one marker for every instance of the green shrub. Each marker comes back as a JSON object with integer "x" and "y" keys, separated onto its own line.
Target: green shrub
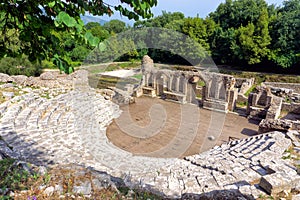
{"x": 46, "y": 64}
{"x": 75, "y": 64}
{"x": 19, "y": 66}
{"x": 252, "y": 89}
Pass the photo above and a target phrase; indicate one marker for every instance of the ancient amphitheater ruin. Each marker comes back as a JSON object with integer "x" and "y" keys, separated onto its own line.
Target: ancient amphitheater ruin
{"x": 59, "y": 119}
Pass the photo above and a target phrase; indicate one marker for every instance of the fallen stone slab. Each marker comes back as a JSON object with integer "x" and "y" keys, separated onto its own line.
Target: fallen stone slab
{"x": 278, "y": 182}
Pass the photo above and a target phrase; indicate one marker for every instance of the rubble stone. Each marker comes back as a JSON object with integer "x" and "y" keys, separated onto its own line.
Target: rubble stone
{"x": 268, "y": 125}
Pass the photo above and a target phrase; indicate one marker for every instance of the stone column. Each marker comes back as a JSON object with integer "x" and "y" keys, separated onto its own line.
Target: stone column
{"x": 147, "y": 80}
{"x": 159, "y": 85}
{"x": 170, "y": 83}
{"x": 184, "y": 86}
{"x": 204, "y": 93}
{"x": 232, "y": 99}
{"x": 217, "y": 87}
{"x": 153, "y": 80}
{"x": 193, "y": 93}
{"x": 177, "y": 84}
{"x": 212, "y": 89}
{"x": 144, "y": 80}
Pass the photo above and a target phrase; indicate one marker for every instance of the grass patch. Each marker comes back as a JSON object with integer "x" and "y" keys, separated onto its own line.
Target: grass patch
{"x": 16, "y": 92}
{"x": 126, "y": 65}
{"x": 241, "y": 104}
{"x": 251, "y": 89}
{"x": 138, "y": 76}
{"x": 98, "y": 68}
{"x": 263, "y": 77}
{"x": 13, "y": 177}
{"x": 201, "y": 83}
{"x": 130, "y": 65}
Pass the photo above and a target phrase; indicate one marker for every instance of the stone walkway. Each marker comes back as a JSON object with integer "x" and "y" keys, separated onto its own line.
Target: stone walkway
{"x": 70, "y": 128}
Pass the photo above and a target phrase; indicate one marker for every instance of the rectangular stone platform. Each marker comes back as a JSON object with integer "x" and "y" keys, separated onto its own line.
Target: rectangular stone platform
{"x": 174, "y": 96}
{"x": 149, "y": 91}
{"x": 219, "y": 106}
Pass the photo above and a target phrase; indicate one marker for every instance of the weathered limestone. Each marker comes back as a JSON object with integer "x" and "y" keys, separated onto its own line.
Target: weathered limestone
{"x": 70, "y": 128}
{"x": 234, "y": 165}
{"x": 278, "y": 182}
{"x": 263, "y": 105}
{"x": 275, "y": 108}
{"x": 290, "y": 86}
{"x": 181, "y": 86}
{"x": 48, "y": 76}
{"x": 291, "y": 107}
{"x": 267, "y": 125}
{"x": 4, "y": 78}
{"x": 243, "y": 84}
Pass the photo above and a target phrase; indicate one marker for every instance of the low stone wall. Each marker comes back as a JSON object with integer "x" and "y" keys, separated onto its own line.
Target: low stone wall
{"x": 293, "y": 86}
{"x": 291, "y": 107}
{"x": 47, "y": 79}
{"x": 275, "y": 108}
{"x": 267, "y": 125}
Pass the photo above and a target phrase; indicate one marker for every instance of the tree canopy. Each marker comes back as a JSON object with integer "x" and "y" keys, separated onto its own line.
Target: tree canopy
{"x": 36, "y": 23}
{"x": 249, "y": 34}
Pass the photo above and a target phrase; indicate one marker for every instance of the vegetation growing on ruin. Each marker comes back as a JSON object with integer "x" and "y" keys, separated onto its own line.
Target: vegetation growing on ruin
{"x": 29, "y": 185}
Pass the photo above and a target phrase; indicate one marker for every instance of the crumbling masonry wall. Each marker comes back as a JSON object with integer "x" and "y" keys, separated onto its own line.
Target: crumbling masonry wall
{"x": 181, "y": 86}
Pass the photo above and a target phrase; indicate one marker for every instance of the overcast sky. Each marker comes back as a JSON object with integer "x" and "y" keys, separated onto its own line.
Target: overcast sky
{"x": 190, "y": 8}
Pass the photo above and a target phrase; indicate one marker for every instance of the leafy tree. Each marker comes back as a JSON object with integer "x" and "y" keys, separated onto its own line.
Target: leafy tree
{"x": 100, "y": 32}
{"x": 252, "y": 42}
{"x": 221, "y": 45}
{"x": 175, "y": 25}
{"x": 285, "y": 34}
{"x": 161, "y": 20}
{"x": 18, "y": 66}
{"x": 115, "y": 26}
{"x": 237, "y": 13}
{"x": 37, "y": 22}
{"x": 196, "y": 29}
{"x": 79, "y": 53}
{"x": 91, "y": 25}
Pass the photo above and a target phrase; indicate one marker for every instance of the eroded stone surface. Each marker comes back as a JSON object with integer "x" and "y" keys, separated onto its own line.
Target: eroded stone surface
{"x": 69, "y": 127}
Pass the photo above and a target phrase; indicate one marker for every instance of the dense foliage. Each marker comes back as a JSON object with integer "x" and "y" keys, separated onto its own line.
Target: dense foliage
{"x": 244, "y": 33}
{"x": 249, "y": 34}
{"x": 18, "y": 66}
{"x": 34, "y": 27}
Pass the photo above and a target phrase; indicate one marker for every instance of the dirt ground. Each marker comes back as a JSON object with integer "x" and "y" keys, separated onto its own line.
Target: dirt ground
{"x": 158, "y": 128}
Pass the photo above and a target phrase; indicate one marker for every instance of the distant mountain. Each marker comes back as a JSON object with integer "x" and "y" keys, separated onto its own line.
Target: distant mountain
{"x": 87, "y": 18}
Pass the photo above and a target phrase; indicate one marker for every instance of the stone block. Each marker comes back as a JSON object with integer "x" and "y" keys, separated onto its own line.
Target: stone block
{"x": 215, "y": 105}
{"x": 268, "y": 125}
{"x": 148, "y": 91}
{"x": 278, "y": 182}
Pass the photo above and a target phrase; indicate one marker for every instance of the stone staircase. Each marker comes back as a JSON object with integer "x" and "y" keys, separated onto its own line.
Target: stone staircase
{"x": 237, "y": 165}
{"x": 69, "y": 128}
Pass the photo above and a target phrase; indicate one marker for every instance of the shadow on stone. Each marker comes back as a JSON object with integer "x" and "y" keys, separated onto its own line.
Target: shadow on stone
{"x": 219, "y": 195}
{"x": 24, "y": 152}
{"x": 249, "y": 132}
